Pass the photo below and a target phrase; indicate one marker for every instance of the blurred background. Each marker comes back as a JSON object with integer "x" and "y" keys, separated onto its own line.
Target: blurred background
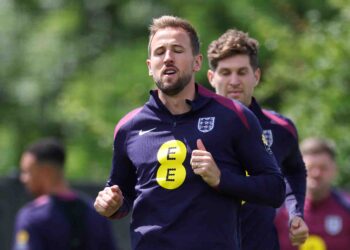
{"x": 72, "y": 69}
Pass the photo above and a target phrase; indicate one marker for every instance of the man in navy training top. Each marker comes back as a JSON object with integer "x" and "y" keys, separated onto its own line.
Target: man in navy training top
{"x": 59, "y": 218}
{"x": 327, "y": 209}
{"x": 234, "y": 73}
{"x": 178, "y": 160}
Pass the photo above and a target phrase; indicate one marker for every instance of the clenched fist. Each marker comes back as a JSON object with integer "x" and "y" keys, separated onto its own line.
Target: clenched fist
{"x": 108, "y": 201}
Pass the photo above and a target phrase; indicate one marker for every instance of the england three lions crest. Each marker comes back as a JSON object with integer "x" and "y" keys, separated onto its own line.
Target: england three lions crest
{"x": 333, "y": 224}
{"x": 268, "y": 136}
{"x": 206, "y": 124}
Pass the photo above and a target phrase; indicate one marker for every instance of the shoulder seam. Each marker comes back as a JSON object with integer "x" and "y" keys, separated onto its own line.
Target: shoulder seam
{"x": 283, "y": 122}
{"x": 125, "y": 119}
{"x": 226, "y": 102}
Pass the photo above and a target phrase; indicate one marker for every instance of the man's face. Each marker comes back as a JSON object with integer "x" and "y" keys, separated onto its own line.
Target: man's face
{"x": 235, "y": 78}
{"x": 321, "y": 171}
{"x": 31, "y": 174}
{"x": 171, "y": 62}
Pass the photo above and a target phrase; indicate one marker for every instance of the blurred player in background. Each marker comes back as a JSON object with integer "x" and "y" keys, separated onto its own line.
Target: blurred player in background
{"x": 327, "y": 210}
{"x": 234, "y": 73}
{"x": 59, "y": 218}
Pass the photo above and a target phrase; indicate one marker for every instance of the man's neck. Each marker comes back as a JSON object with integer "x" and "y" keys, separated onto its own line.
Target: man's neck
{"x": 57, "y": 185}
{"x": 177, "y": 104}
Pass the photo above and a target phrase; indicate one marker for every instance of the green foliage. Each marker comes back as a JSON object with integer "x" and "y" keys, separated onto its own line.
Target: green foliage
{"x": 72, "y": 69}
{"x": 313, "y": 86}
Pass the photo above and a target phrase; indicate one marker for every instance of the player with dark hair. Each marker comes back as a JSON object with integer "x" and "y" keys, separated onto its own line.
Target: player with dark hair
{"x": 59, "y": 218}
{"x": 234, "y": 73}
{"x": 327, "y": 210}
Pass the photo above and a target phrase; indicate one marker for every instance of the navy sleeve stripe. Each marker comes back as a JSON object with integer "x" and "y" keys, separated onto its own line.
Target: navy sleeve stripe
{"x": 281, "y": 122}
{"x": 225, "y": 102}
{"x": 125, "y": 119}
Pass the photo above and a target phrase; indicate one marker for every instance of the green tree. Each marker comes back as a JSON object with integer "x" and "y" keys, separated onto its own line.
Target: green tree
{"x": 72, "y": 69}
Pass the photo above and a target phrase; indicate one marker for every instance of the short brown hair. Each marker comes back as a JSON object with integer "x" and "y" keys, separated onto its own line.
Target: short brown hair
{"x": 174, "y": 22}
{"x": 315, "y": 145}
{"x": 233, "y": 42}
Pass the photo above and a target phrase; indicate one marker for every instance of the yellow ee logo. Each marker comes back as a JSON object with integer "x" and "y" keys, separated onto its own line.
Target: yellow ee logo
{"x": 171, "y": 172}
{"x": 314, "y": 242}
{"x": 22, "y": 238}
{"x": 246, "y": 174}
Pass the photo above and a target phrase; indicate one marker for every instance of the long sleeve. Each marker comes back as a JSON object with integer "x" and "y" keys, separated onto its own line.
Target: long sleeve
{"x": 265, "y": 184}
{"x": 122, "y": 174}
{"x": 294, "y": 171}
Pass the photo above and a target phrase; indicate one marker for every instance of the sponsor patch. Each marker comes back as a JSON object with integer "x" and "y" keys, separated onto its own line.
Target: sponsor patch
{"x": 313, "y": 242}
{"x": 171, "y": 173}
{"x": 22, "y": 239}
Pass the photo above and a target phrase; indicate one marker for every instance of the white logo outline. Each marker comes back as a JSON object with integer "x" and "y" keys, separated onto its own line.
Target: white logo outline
{"x": 206, "y": 124}
{"x": 141, "y": 132}
{"x": 268, "y": 136}
{"x": 333, "y": 224}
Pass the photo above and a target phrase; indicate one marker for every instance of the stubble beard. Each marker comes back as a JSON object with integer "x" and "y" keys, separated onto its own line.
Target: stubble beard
{"x": 175, "y": 88}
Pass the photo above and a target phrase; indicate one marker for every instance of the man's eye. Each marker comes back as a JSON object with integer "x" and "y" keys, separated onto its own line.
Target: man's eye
{"x": 242, "y": 72}
{"x": 178, "y": 50}
{"x": 159, "y": 52}
{"x": 225, "y": 73}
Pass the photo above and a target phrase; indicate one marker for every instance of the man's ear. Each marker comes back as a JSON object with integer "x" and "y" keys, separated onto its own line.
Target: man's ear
{"x": 210, "y": 75}
{"x": 148, "y": 62}
{"x": 198, "y": 59}
{"x": 257, "y": 75}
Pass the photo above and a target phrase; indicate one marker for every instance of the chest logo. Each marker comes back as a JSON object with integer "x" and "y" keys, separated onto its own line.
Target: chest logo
{"x": 142, "y": 132}
{"x": 266, "y": 144}
{"x": 206, "y": 124}
{"x": 333, "y": 224}
{"x": 171, "y": 172}
{"x": 22, "y": 238}
{"x": 268, "y": 136}
{"x": 313, "y": 242}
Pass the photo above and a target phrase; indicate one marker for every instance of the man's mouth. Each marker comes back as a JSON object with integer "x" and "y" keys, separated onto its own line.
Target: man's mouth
{"x": 234, "y": 93}
{"x": 169, "y": 71}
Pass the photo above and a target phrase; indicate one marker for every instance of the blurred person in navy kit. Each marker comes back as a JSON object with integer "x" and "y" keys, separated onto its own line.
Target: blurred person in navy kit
{"x": 234, "y": 73}
{"x": 327, "y": 210}
{"x": 177, "y": 164}
{"x": 59, "y": 218}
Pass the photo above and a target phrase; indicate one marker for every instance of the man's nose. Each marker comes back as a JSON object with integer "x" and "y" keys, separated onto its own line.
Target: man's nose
{"x": 314, "y": 172}
{"x": 169, "y": 56}
{"x": 234, "y": 80}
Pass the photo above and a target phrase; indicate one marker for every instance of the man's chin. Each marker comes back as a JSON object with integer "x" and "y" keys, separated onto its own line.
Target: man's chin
{"x": 234, "y": 97}
{"x": 171, "y": 91}
{"x": 315, "y": 189}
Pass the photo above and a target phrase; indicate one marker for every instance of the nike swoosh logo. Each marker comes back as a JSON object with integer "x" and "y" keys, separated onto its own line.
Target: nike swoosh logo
{"x": 141, "y": 132}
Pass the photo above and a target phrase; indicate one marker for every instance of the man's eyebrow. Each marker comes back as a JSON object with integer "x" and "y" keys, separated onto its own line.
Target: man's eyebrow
{"x": 224, "y": 69}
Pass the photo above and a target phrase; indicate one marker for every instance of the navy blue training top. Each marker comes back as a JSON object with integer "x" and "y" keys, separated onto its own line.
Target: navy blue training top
{"x": 172, "y": 207}
{"x": 257, "y": 221}
{"x": 62, "y": 222}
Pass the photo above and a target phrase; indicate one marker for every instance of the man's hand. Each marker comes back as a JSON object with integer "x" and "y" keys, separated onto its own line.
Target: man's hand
{"x": 298, "y": 231}
{"x": 108, "y": 201}
{"x": 203, "y": 164}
